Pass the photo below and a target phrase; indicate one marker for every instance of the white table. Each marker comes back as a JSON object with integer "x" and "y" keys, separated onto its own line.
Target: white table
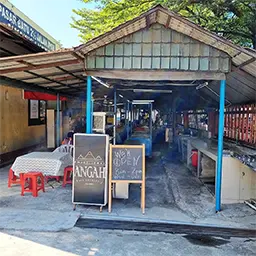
{"x": 49, "y": 163}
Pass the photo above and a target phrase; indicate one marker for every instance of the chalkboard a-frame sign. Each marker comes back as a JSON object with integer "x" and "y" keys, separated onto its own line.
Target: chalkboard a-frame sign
{"x": 90, "y": 165}
{"x": 127, "y": 165}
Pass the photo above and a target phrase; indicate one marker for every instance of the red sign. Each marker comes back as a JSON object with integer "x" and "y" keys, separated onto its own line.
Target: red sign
{"x": 41, "y": 96}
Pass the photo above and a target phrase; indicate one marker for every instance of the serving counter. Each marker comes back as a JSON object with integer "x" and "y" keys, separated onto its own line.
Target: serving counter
{"x": 238, "y": 180}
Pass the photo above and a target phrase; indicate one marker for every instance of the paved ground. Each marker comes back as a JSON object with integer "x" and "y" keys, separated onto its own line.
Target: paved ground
{"x": 110, "y": 243}
{"x": 172, "y": 194}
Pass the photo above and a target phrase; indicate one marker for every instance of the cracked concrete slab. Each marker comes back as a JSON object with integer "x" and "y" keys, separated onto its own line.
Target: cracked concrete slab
{"x": 95, "y": 242}
{"x": 37, "y": 220}
{"x": 173, "y": 194}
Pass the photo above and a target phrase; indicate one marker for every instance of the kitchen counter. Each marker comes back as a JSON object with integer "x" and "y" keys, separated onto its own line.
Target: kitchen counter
{"x": 238, "y": 179}
{"x": 204, "y": 148}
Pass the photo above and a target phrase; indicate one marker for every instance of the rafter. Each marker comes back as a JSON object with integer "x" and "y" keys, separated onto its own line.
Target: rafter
{"x": 41, "y": 66}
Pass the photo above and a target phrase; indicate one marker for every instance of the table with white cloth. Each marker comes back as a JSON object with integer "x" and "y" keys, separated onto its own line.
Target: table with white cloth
{"x": 48, "y": 163}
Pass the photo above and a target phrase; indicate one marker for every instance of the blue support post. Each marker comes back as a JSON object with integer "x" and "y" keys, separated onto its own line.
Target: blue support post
{"x": 89, "y": 105}
{"x": 128, "y": 120}
{"x": 131, "y": 118}
{"x": 220, "y": 146}
{"x": 92, "y": 118}
{"x": 115, "y": 117}
{"x": 125, "y": 111}
{"x": 58, "y": 121}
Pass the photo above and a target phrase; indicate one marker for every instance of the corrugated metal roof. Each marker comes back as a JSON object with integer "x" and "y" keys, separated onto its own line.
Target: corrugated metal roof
{"x": 53, "y": 70}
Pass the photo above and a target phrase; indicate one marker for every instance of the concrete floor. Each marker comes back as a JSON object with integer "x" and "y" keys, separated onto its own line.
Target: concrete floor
{"x": 28, "y": 225}
{"x": 173, "y": 194}
{"x": 122, "y": 243}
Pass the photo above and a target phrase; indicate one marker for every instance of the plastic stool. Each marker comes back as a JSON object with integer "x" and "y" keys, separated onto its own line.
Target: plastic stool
{"x": 67, "y": 176}
{"x": 33, "y": 185}
{"x": 13, "y": 179}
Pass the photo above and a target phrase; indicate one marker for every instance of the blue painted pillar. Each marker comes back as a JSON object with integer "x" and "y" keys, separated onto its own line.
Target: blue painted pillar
{"x": 115, "y": 117}
{"x": 150, "y": 120}
{"x": 92, "y": 118}
{"x": 58, "y": 121}
{"x": 89, "y": 105}
{"x": 220, "y": 146}
{"x": 131, "y": 118}
{"x": 125, "y": 116}
{"x": 128, "y": 120}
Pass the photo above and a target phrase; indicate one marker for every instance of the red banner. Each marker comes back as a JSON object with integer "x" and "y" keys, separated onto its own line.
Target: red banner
{"x": 41, "y": 96}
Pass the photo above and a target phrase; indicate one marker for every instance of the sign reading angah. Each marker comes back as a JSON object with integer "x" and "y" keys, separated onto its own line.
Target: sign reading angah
{"x": 90, "y": 169}
{"x": 11, "y": 19}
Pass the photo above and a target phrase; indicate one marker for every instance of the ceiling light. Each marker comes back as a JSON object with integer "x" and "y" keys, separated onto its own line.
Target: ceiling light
{"x": 120, "y": 95}
{"x": 152, "y": 90}
{"x": 142, "y": 101}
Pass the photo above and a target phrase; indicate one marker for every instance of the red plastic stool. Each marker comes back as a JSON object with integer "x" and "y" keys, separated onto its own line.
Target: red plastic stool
{"x": 13, "y": 179}
{"x": 33, "y": 185}
{"x": 67, "y": 176}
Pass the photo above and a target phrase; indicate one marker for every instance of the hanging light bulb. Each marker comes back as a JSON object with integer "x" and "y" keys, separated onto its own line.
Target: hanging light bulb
{"x": 105, "y": 101}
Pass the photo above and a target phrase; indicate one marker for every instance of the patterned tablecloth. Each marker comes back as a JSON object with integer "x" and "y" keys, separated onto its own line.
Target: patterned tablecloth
{"x": 49, "y": 163}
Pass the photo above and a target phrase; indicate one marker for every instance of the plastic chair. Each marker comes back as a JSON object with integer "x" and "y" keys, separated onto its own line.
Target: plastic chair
{"x": 65, "y": 149}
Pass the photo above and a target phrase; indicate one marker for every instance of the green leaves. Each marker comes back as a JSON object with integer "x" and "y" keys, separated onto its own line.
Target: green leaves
{"x": 234, "y": 19}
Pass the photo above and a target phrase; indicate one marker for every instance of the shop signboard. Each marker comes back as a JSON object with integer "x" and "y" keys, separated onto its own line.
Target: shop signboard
{"x": 90, "y": 167}
{"x": 18, "y": 24}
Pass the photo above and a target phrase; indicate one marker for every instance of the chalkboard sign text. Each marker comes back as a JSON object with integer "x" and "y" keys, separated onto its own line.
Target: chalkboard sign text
{"x": 127, "y": 164}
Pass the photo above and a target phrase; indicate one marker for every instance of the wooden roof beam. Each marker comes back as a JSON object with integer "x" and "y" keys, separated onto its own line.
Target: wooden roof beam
{"x": 157, "y": 75}
{"x": 242, "y": 73}
{"x": 70, "y": 73}
{"x": 148, "y": 23}
{"x": 26, "y": 63}
{"x": 28, "y": 86}
{"x": 49, "y": 79}
{"x": 62, "y": 78}
{"x": 246, "y": 62}
{"x": 78, "y": 56}
{"x": 168, "y": 22}
{"x": 53, "y": 74}
{"x": 41, "y": 66}
{"x": 71, "y": 86}
{"x": 36, "y": 55}
{"x": 46, "y": 78}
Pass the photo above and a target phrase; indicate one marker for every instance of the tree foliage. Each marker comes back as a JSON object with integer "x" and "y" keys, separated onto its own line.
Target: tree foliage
{"x": 234, "y": 19}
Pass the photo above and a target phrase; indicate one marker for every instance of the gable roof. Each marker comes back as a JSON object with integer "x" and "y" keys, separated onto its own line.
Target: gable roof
{"x": 62, "y": 71}
{"x": 241, "y": 58}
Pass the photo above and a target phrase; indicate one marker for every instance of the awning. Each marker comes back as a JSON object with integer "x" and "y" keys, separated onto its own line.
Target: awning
{"x": 41, "y": 96}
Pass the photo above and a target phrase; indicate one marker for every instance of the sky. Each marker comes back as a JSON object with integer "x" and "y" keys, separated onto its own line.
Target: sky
{"x": 54, "y": 16}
